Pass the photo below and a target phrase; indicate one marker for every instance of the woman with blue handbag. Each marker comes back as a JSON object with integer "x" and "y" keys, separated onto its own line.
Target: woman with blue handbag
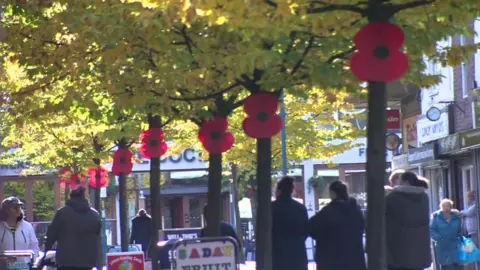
{"x": 445, "y": 230}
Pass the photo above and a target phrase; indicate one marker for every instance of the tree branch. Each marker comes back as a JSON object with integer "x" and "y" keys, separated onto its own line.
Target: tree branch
{"x": 413, "y": 4}
{"x": 334, "y": 7}
{"x": 206, "y": 97}
{"x": 341, "y": 55}
{"x": 304, "y": 55}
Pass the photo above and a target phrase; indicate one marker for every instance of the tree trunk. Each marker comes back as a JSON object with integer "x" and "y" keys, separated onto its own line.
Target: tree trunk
{"x": 214, "y": 195}
{"x": 122, "y": 193}
{"x": 238, "y": 224}
{"x": 263, "y": 233}
{"x": 376, "y": 129}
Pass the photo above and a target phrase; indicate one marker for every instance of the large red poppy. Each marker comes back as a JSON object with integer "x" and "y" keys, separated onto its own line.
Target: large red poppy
{"x": 262, "y": 120}
{"x": 92, "y": 174}
{"x": 122, "y": 162}
{"x": 153, "y": 144}
{"x": 214, "y": 136}
{"x": 379, "y": 58}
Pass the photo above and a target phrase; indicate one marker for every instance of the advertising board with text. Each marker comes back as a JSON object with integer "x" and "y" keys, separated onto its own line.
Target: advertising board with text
{"x": 126, "y": 261}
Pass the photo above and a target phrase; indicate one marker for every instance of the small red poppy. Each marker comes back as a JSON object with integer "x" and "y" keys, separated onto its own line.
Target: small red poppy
{"x": 153, "y": 145}
{"x": 75, "y": 180}
{"x": 214, "y": 136}
{"x": 92, "y": 174}
{"x": 262, "y": 120}
{"x": 379, "y": 57}
{"x": 122, "y": 162}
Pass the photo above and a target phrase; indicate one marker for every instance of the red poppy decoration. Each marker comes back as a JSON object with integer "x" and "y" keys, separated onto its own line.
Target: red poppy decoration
{"x": 65, "y": 173}
{"x": 262, "y": 120}
{"x": 153, "y": 144}
{"x": 379, "y": 58}
{"x": 122, "y": 162}
{"x": 92, "y": 174}
{"x": 75, "y": 180}
{"x": 214, "y": 136}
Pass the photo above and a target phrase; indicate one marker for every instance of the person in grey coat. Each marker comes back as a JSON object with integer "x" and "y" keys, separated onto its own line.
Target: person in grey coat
{"x": 407, "y": 224}
{"x": 76, "y": 230}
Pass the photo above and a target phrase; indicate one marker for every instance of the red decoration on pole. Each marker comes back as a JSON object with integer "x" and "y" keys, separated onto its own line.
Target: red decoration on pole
{"x": 262, "y": 121}
{"x": 378, "y": 58}
{"x": 214, "y": 136}
{"x": 75, "y": 180}
{"x": 92, "y": 174}
{"x": 153, "y": 144}
{"x": 65, "y": 173}
{"x": 122, "y": 162}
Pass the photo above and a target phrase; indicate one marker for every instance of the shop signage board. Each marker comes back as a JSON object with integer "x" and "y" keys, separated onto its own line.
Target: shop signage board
{"x": 428, "y": 131}
{"x": 470, "y": 138}
{"x": 393, "y": 119}
{"x": 409, "y": 131}
{"x": 422, "y": 154}
{"x": 205, "y": 253}
{"x": 449, "y": 144}
{"x": 182, "y": 233}
{"x": 126, "y": 261}
{"x": 399, "y": 162}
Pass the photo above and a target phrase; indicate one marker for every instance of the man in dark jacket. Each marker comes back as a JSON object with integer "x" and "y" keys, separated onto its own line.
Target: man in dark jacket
{"x": 225, "y": 229}
{"x": 76, "y": 230}
{"x": 407, "y": 224}
{"x": 289, "y": 229}
{"x": 141, "y": 233}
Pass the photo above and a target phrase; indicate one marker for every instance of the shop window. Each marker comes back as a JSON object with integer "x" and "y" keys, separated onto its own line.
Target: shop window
{"x": 467, "y": 183}
{"x": 196, "y": 210}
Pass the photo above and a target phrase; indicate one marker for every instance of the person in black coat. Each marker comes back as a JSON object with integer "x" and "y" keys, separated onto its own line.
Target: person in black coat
{"x": 141, "y": 230}
{"x": 289, "y": 229}
{"x": 338, "y": 232}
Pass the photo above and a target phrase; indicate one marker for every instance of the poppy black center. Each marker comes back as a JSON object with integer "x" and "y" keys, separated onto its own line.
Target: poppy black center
{"x": 216, "y": 136}
{"x": 123, "y": 161}
{"x": 381, "y": 52}
{"x": 153, "y": 143}
{"x": 262, "y": 116}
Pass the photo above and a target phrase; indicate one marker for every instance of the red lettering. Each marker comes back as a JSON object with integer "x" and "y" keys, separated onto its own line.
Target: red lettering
{"x": 194, "y": 254}
{"x": 217, "y": 252}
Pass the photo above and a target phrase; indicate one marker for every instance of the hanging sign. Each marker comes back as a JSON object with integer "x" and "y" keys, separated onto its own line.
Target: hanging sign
{"x": 126, "y": 261}
{"x": 393, "y": 119}
{"x": 205, "y": 253}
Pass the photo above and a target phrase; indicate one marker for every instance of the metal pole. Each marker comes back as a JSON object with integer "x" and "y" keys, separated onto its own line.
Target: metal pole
{"x": 283, "y": 136}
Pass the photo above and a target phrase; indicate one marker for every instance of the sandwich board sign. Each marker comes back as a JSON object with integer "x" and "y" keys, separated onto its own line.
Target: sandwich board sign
{"x": 205, "y": 253}
{"x": 126, "y": 261}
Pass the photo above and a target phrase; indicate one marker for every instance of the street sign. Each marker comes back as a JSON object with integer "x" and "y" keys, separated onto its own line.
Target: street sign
{"x": 126, "y": 261}
{"x": 205, "y": 253}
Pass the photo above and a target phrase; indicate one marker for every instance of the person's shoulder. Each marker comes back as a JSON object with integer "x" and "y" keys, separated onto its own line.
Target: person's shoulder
{"x": 26, "y": 224}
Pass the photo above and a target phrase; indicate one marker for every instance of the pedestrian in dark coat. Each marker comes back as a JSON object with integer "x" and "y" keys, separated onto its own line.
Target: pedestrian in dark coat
{"x": 407, "y": 224}
{"x": 76, "y": 230}
{"x": 338, "y": 232}
{"x": 289, "y": 229}
{"x": 141, "y": 232}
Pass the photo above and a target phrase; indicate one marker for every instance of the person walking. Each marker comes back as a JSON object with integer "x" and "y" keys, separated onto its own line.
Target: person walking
{"x": 289, "y": 229}
{"x": 469, "y": 216}
{"x": 407, "y": 224}
{"x": 76, "y": 229}
{"x": 141, "y": 232}
{"x": 15, "y": 232}
{"x": 338, "y": 232}
{"x": 445, "y": 230}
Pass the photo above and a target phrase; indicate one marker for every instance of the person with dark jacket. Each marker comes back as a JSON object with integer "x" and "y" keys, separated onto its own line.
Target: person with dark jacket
{"x": 289, "y": 229}
{"x": 338, "y": 232}
{"x": 407, "y": 223}
{"x": 76, "y": 229}
{"x": 225, "y": 229}
{"x": 141, "y": 232}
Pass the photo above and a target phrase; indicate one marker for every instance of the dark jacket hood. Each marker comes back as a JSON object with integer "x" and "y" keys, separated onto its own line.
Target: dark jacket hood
{"x": 79, "y": 204}
{"x": 412, "y": 206}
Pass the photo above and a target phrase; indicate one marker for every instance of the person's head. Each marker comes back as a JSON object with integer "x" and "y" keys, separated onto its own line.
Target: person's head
{"x": 471, "y": 195}
{"x": 285, "y": 186}
{"x": 338, "y": 191}
{"x": 77, "y": 193}
{"x": 422, "y": 182}
{"x": 142, "y": 213}
{"x": 11, "y": 208}
{"x": 394, "y": 178}
{"x": 446, "y": 205}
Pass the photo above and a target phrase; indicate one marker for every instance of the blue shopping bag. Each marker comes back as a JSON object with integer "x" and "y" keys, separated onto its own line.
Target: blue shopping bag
{"x": 467, "y": 251}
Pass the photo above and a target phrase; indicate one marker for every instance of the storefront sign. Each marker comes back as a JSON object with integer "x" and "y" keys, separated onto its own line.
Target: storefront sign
{"x": 470, "y": 138}
{"x": 409, "y": 133}
{"x": 220, "y": 254}
{"x": 428, "y": 131}
{"x": 126, "y": 261}
{"x": 422, "y": 154}
{"x": 449, "y": 144}
{"x": 187, "y": 233}
{"x": 399, "y": 162}
{"x": 393, "y": 119}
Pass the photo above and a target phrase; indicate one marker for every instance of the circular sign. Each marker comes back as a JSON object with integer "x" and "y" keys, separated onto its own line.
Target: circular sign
{"x": 433, "y": 114}
{"x": 392, "y": 142}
